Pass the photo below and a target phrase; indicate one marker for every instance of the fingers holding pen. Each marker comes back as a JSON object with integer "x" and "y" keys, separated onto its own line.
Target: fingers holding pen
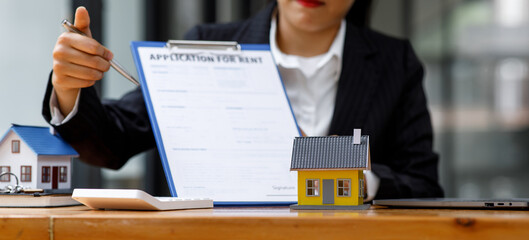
{"x": 90, "y": 46}
{"x": 80, "y": 57}
{"x": 84, "y": 44}
{"x": 90, "y": 61}
{"x": 66, "y": 69}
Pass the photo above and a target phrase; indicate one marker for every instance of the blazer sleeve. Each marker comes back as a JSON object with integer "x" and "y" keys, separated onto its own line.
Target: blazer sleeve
{"x": 105, "y": 133}
{"x": 409, "y": 166}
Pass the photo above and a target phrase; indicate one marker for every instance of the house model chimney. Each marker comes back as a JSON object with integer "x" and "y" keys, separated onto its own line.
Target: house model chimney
{"x": 357, "y": 133}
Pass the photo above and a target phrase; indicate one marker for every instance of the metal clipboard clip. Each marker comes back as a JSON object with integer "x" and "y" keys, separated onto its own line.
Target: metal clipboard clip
{"x": 230, "y": 47}
{"x": 211, "y": 45}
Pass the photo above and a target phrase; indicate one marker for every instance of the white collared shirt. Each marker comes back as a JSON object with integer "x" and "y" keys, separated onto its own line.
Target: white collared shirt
{"x": 311, "y": 84}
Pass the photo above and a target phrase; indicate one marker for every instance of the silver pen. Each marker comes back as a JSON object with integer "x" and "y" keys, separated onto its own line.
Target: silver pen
{"x": 71, "y": 28}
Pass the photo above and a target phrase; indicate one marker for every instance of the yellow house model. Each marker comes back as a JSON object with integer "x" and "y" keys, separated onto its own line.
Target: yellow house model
{"x": 330, "y": 171}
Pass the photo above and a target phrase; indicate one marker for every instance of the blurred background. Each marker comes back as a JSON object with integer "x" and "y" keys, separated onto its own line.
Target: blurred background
{"x": 475, "y": 52}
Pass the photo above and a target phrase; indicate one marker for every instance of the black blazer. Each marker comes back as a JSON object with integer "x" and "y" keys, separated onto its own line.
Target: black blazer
{"x": 380, "y": 91}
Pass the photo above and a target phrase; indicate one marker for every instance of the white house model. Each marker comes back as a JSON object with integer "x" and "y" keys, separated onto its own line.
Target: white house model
{"x": 39, "y": 159}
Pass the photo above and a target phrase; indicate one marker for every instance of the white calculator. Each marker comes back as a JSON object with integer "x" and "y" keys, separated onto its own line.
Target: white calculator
{"x": 133, "y": 199}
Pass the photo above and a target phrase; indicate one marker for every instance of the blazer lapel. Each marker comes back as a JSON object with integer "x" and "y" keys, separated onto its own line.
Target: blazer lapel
{"x": 356, "y": 85}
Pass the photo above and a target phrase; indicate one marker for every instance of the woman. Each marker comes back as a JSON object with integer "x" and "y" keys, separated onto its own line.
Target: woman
{"x": 337, "y": 76}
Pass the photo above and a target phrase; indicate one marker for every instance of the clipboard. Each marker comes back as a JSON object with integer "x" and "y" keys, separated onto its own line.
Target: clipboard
{"x": 244, "y": 157}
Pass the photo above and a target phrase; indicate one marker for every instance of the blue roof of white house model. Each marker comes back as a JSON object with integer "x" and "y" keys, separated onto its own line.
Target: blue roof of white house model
{"x": 335, "y": 152}
{"x": 41, "y": 141}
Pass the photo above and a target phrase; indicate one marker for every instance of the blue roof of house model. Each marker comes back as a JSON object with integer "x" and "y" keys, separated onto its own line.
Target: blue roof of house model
{"x": 335, "y": 152}
{"x": 41, "y": 141}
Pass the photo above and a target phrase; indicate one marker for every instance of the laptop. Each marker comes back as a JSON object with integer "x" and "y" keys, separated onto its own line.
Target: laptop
{"x": 514, "y": 203}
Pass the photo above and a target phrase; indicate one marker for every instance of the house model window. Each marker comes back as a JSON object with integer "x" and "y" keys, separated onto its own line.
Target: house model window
{"x": 63, "y": 174}
{"x": 6, "y": 177}
{"x": 361, "y": 190}
{"x": 344, "y": 188}
{"x": 25, "y": 173}
{"x": 46, "y": 174}
{"x": 313, "y": 187}
{"x": 15, "y": 146}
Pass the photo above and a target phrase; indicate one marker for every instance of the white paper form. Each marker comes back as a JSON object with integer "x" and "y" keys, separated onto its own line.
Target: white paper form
{"x": 225, "y": 122}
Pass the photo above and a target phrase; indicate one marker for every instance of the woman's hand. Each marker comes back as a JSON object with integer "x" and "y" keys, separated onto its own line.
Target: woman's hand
{"x": 78, "y": 62}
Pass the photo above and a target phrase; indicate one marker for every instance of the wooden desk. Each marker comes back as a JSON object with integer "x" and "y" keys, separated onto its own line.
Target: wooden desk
{"x": 262, "y": 223}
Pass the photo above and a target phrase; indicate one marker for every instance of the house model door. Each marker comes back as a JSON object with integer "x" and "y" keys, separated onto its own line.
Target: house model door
{"x": 55, "y": 177}
{"x": 328, "y": 191}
